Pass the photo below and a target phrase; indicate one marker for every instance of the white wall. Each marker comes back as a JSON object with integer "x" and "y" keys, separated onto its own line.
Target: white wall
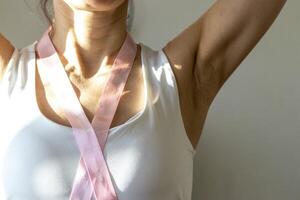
{"x": 250, "y": 146}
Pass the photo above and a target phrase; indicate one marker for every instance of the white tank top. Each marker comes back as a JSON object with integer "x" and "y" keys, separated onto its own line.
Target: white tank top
{"x": 149, "y": 156}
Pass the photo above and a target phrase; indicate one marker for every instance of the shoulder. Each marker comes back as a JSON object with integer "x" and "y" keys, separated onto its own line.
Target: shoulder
{"x": 6, "y": 51}
{"x": 16, "y": 72}
{"x": 195, "y": 77}
{"x": 194, "y": 99}
{"x": 181, "y": 59}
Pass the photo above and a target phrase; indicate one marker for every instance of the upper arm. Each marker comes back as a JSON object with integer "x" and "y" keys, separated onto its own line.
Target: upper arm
{"x": 221, "y": 38}
{"x": 6, "y": 51}
{"x": 229, "y": 30}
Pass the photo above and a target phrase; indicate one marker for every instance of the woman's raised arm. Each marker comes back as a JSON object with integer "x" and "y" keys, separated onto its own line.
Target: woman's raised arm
{"x": 215, "y": 45}
{"x": 6, "y": 51}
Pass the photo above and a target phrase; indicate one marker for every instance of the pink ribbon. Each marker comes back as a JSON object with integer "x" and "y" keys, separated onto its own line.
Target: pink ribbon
{"x": 92, "y": 177}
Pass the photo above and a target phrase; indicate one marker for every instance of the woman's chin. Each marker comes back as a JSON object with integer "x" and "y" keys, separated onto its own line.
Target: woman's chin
{"x": 95, "y": 5}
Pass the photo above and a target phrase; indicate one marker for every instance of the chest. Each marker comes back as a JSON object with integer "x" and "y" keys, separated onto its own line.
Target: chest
{"x": 143, "y": 156}
{"x": 131, "y": 101}
{"x": 41, "y": 158}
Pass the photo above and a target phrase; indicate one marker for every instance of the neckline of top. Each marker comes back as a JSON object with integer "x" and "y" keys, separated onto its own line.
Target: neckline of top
{"x": 112, "y": 130}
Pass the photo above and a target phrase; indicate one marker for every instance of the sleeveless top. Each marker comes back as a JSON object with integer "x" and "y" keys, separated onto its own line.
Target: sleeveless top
{"x": 149, "y": 156}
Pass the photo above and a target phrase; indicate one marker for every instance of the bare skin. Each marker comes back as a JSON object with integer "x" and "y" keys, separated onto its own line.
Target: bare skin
{"x": 202, "y": 57}
{"x": 6, "y": 51}
{"x": 97, "y": 45}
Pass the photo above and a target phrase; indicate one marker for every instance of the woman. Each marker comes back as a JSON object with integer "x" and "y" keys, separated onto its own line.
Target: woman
{"x": 158, "y": 122}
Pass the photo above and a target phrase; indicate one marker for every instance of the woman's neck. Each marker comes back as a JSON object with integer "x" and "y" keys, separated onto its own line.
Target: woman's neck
{"x": 88, "y": 39}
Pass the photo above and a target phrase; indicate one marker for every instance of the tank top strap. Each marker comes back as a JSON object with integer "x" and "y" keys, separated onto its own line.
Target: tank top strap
{"x": 161, "y": 79}
{"x": 164, "y": 94}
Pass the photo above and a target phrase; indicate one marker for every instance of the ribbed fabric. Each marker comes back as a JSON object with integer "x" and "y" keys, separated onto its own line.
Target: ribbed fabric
{"x": 149, "y": 156}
